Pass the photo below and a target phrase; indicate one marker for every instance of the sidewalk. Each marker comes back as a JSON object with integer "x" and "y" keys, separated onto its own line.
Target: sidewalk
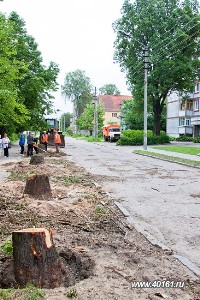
{"x": 174, "y": 154}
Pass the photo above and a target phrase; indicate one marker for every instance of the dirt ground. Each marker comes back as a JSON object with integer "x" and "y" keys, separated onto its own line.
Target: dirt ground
{"x": 103, "y": 254}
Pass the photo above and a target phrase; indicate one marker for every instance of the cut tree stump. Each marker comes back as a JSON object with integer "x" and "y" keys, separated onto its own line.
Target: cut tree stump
{"x": 36, "y": 159}
{"x": 35, "y": 258}
{"x": 38, "y": 186}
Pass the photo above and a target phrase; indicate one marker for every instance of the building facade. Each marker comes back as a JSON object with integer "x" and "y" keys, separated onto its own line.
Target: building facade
{"x": 112, "y": 106}
{"x": 183, "y": 113}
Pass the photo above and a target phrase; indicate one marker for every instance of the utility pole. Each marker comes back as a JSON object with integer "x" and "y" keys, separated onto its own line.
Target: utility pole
{"x": 146, "y": 56}
{"x": 95, "y": 127}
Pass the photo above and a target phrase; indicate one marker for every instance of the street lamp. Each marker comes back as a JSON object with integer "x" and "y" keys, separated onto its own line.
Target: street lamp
{"x": 95, "y": 121}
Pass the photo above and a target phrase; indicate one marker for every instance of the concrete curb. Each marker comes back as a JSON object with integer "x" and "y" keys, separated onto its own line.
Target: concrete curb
{"x": 186, "y": 262}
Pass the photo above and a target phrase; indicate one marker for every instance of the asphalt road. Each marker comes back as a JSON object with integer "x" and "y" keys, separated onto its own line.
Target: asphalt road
{"x": 161, "y": 199}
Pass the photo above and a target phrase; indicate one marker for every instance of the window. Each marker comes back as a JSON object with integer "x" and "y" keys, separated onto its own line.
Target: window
{"x": 197, "y": 87}
{"x": 181, "y": 121}
{"x": 196, "y": 104}
{"x": 188, "y": 122}
{"x": 114, "y": 115}
{"x": 189, "y": 104}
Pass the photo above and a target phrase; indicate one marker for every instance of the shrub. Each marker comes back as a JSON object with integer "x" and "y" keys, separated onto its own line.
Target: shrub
{"x": 196, "y": 140}
{"x": 136, "y": 137}
{"x": 184, "y": 138}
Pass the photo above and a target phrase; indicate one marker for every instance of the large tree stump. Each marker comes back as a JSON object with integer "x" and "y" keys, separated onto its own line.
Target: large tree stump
{"x": 38, "y": 186}
{"x": 35, "y": 258}
{"x": 37, "y": 159}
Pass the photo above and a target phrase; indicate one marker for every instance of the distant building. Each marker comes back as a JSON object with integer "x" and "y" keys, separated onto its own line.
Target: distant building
{"x": 183, "y": 113}
{"x": 112, "y": 106}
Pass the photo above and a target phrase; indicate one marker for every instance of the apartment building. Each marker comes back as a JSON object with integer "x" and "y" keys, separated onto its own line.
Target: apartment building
{"x": 183, "y": 113}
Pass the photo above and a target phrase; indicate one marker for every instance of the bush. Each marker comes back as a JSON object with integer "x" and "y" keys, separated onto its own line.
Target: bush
{"x": 136, "y": 137}
{"x": 196, "y": 140}
{"x": 184, "y": 138}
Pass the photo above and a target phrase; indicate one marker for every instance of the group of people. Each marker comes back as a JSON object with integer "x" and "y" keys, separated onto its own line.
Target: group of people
{"x": 32, "y": 142}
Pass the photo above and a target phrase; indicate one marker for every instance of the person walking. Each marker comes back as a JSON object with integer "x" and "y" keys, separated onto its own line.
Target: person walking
{"x": 30, "y": 142}
{"x": 57, "y": 140}
{"x": 22, "y": 142}
{"x": 44, "y": 139}
{"x": 5, "y": 144}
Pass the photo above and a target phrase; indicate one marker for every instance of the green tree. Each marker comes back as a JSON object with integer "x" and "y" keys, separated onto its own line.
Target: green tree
{"x": 109, "y": 89}
{"x": 65, "y": 120}
{"x": 170, "y": 31}
{"x": 134, "y": 116}
{"x": 36, "y": 82}
{"x": 77, "y": 87}
{"x": 85, "y": 121}
{"x": 12, "y": 111}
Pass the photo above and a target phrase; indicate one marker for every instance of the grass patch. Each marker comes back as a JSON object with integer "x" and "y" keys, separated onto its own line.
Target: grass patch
{"x": 180, "y": 149}
{"x": 185, "y": 161}
{"x": 28, "y": 293}
{"x": 88, "y": 138}
{"x": 19, "y": 175}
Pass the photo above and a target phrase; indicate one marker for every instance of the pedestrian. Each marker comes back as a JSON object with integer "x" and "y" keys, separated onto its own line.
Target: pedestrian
{"x": 44, "y": 139}
{"x": 57, "y": 140}
{"x": 5, "y": 144}
{"x": 30, "y": 142}
{"x": 22, "y": 142}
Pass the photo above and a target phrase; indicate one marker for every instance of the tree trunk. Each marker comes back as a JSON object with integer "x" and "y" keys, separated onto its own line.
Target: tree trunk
{"x": 35, "y": 258}
{"x": 157, "y": 118}
{"x": 37, "y": 159}
{"x": 38, "y": 186}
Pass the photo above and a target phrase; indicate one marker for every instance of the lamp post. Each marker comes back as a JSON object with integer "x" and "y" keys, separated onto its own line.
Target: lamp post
{"x": 145, "y": 96}
{"x": 95, "y": 122}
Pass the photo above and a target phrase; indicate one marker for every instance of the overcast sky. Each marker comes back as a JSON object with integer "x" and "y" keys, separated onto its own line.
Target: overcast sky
{"x": 76, "y": 34}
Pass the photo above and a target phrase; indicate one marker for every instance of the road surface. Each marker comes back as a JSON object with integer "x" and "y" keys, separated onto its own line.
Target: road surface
{"x": 161, "y": 199}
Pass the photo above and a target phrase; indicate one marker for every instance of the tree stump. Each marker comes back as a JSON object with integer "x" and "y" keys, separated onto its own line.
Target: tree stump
{"x": 35, "y": 258}
{"x": 38, "y": 186}
{"x": 37, "y": 159}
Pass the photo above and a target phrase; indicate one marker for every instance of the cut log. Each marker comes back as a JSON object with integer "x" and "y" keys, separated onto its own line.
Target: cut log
{"x": 38, "y": 186}
{"x": 35, "y": 258}
{"x": 37, "y": 159}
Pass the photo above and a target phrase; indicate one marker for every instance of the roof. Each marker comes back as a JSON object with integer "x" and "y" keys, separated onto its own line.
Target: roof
{"x": 113, "y": 102}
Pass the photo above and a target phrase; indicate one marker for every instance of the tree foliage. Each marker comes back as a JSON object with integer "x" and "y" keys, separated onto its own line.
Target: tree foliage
{"x": 134, "y": 117}
{"x": 170, "y": 31}
{"x": 109, "y": 89}
{"x": 85, "y": 121}
{"x": 77, "y": 87}
{"x": 65, "y": 120}
{"x": 25, "y": 83}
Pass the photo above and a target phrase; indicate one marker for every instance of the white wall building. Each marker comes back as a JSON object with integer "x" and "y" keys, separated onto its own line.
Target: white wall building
{"x": 183, "y": 113}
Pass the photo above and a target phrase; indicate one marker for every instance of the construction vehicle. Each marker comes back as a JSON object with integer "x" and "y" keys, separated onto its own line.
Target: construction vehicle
{"x": 51, "y": 138}
{"x": 111, "y": 132}
{"x": 53, "y": 124}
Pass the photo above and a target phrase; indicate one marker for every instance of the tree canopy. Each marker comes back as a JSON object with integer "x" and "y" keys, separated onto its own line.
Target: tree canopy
{"x": 78, "y": 88}
{"x": 109, "y": 89}
{"x": 25, "y": 83}
{"x": 85, "y": 121}
{"x": 170, "y": 30}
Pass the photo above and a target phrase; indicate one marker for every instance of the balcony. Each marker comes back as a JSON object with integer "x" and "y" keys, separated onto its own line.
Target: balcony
{"x": 185, "y": 113}
{"x": 185, "y": 130}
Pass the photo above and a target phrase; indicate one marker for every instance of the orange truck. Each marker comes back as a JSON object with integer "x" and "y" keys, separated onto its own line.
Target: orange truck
{"x": 111, "y": 132}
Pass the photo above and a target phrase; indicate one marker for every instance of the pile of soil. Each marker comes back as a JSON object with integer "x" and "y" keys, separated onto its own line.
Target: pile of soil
{"x": 102, "y": 254}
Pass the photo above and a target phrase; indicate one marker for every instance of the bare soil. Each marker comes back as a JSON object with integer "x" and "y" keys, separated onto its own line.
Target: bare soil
{"x": 102, "y": 254}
